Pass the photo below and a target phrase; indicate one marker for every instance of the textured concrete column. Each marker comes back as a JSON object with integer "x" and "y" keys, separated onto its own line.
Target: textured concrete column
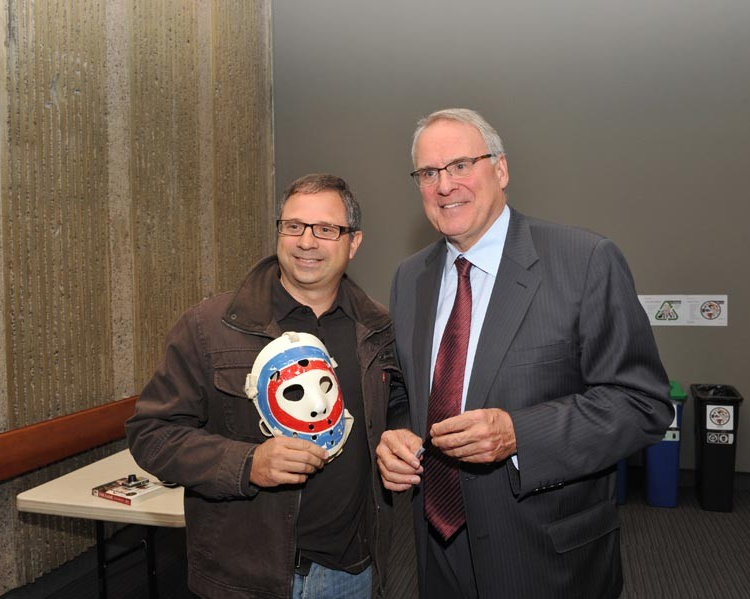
{"x": 4, "y": 406}
{"x": 136, "y": 177}
{"x": 120, "y": 218}
{"x": 206, "y": 136}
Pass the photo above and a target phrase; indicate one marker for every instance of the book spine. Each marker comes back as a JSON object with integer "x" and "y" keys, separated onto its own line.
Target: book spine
{"x": 111, "y": 497}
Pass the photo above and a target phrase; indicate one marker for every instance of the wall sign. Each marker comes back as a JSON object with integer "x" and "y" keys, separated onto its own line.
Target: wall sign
{"x": 686, "y": 310}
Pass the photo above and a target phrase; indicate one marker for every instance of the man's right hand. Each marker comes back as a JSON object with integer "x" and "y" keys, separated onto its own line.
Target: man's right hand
{"x": 398, "y": 464}
{"x": 285, "y": 461}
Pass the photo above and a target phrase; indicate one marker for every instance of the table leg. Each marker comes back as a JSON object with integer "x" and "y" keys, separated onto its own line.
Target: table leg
{"x": 101, "y": 560}
{"x": 153, "y": 589}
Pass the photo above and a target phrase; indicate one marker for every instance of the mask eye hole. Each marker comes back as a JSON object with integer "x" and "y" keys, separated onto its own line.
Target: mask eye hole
{"x": 326, "y": 384}
{"x": 303, "y": 363}
{"x": 294, "y": 392}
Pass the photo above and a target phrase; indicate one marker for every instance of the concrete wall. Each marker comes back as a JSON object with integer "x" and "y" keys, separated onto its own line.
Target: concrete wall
{"x": 631, "y": 119}
{"x": 136, "y": 176}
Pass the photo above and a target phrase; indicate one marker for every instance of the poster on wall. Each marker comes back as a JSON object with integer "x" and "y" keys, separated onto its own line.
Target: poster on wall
{"x": 686, "y": 310}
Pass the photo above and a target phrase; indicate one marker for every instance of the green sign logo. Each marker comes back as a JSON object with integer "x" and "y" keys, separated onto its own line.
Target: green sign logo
{"x": 666, "y": 311}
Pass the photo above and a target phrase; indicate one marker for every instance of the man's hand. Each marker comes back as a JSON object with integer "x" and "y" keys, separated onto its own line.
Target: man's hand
{"x": 398, "y": 464}
{"x": 285, "y": 461}
{"x": 478, "y": 436}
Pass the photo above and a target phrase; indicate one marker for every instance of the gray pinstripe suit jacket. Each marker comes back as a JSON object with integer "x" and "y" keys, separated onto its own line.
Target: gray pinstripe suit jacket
{"x": 568, "y": 351}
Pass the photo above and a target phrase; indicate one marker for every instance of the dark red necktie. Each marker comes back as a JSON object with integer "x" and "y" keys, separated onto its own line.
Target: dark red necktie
{"x": 443, "y": 503}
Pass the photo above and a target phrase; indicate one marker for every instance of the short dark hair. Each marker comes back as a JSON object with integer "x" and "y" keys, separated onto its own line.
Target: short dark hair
{"x": 317, "y": 182}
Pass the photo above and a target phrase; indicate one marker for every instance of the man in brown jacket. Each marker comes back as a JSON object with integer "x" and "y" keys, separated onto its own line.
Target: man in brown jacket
{"x": 272, "y": 516}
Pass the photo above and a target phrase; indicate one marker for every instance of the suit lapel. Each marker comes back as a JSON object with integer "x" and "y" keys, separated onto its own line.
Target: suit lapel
{"x": 512, "y": 294}
{"x": 428, "y": 291}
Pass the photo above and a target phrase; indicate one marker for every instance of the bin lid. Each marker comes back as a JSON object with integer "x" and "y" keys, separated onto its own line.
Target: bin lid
{"x": 716, "y": 393}
{"x": 676, "y": 392}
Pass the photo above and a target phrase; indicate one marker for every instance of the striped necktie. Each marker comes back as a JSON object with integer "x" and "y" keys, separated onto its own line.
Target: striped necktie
{"x": 443, "y": 502}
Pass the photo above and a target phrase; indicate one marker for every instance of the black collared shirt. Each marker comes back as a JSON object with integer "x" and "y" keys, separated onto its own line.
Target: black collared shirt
{"x": 331, "y": 518}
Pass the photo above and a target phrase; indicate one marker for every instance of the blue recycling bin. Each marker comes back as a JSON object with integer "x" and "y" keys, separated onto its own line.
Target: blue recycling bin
{"x": 663, "y": 458}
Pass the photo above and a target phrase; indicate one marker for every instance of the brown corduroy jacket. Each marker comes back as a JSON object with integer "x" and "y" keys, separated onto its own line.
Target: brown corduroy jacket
{"x": 194, "y": 425}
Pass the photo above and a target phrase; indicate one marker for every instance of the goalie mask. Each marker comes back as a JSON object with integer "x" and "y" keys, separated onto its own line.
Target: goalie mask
{"x": 297, "y": 394}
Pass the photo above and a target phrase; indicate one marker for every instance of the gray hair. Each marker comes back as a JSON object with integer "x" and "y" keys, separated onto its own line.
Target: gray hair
{"x": 318, "y": 182}
{"x": 462, "y": 115}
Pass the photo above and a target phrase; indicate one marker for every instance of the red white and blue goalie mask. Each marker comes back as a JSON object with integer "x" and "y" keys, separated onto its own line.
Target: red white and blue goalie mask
{"x": 297, "y": 394}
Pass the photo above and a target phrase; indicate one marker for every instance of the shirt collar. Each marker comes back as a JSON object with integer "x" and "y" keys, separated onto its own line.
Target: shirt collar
{"x": 284, "y": 304}
{"x": 486, "y": 253}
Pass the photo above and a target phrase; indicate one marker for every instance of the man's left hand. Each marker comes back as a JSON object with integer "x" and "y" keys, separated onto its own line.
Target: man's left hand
{"x": 478, "y": 436}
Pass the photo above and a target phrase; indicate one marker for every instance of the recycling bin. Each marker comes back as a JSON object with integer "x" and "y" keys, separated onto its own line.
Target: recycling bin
{"x": 717, "y": 414}
{"x": 662, "y": 459}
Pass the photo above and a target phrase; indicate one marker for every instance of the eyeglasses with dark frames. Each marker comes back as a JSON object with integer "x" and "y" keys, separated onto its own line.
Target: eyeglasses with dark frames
{"x": 295, "y": 228}
{"x": 461, "y": 167}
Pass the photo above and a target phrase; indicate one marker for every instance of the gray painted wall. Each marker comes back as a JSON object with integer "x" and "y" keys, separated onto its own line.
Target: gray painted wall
{"x": 631, "y": 119}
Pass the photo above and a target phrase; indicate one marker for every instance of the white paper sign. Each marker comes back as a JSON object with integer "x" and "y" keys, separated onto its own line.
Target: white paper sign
{"x": 686, "y": 310}
{"x": 719, "y": 418}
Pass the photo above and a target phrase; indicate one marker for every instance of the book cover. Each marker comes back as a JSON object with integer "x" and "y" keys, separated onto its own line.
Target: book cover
{"x": 128, "y": 490}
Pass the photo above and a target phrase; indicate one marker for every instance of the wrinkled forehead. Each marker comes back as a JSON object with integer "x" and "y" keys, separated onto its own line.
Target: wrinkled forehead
{"x": 445, "y": 140}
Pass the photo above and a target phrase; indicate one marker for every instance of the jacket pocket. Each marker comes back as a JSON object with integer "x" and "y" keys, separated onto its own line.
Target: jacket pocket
{"x": 240, "y": 416}
{"x": 584, "y": 527}
{"x": 232, "y": 380}
{"x": 537, "y": 355}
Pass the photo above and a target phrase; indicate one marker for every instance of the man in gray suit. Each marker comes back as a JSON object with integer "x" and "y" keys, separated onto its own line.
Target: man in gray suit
{"x": 531, "y": 369}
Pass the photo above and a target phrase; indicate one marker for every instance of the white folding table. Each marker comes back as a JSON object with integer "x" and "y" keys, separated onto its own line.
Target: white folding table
{"x": 70, "y": 495}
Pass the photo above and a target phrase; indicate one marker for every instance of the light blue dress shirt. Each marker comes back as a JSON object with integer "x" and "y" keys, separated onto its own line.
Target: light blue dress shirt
{"x": 485, "y": 256}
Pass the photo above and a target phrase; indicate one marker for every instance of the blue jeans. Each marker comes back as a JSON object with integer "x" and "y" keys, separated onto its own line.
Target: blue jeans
{"x": 324, "y": 583}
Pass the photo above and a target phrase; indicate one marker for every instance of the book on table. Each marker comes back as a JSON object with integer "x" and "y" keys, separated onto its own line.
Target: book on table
{"x": 128, "y": 489}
